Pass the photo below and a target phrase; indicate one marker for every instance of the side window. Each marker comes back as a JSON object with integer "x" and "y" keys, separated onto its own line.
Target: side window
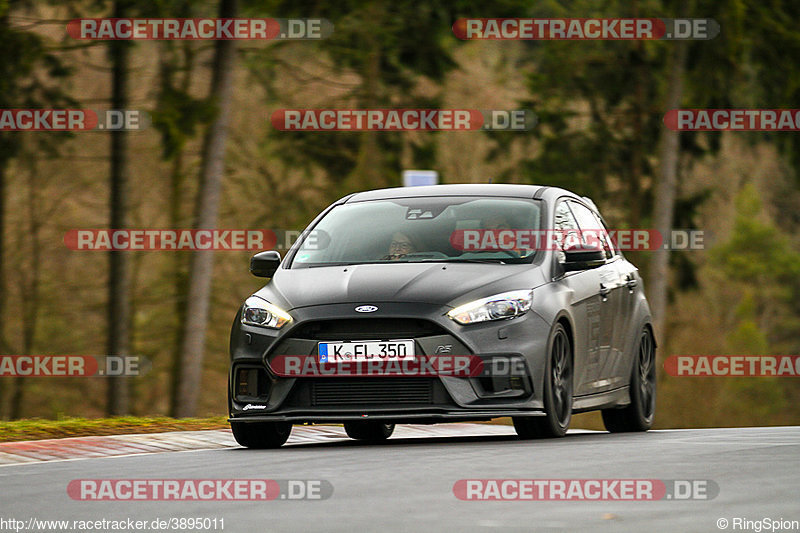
{"x": 563, "y": 218}
{"x": 592, "y": 228}
{"x": 564, "y": 224}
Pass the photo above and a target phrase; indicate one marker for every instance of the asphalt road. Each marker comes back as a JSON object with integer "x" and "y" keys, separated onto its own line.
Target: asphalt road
{"x": 407, "y": 483}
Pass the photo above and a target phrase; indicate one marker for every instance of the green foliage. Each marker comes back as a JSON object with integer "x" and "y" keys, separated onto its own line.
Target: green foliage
{"x": 414, "y": 42}
{"x": 22, "y": 55}
{"x": 762, "y": 397}
{"x": 177, "y": 116}
{"x": 757, "y": 251}
{"x": 771, "y": 62}
{"x": 595, "y": 104}
{"x": 600, "y": 106}
{"x": 761, "y": 263}
{"x": 747, "y": 338}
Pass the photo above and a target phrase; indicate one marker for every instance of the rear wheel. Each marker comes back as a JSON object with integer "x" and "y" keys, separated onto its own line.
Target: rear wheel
{"x": 261, "y": 435}
{"x": 557, "y": 392}
{"x": 370, "y": 431}
{"x": 639, "y": 414}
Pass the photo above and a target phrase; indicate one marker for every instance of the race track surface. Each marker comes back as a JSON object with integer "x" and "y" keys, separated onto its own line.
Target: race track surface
{"x": 407, "y": 484}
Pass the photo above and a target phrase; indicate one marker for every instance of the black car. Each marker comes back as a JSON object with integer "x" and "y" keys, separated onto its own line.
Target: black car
{"x": 502, "y": 275}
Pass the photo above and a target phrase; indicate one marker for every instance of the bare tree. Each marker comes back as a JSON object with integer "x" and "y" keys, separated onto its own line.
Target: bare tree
{"x": 30, "y": 274}
{"x": 177, "y": 214}
{"x": 668, "y": 156}
{"x": 202, "y": 262}
{"x": 3, "y": 346}
{"x": 119, "y": 304}
{"x": 22, "y": 53}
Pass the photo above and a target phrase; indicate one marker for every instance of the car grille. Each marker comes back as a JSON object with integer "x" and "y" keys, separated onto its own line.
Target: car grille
{"x": 367, "y": 329}
{"x": 372, "y": 391}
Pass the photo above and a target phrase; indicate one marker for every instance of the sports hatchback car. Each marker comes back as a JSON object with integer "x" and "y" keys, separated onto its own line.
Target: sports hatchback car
{"x": 444, "y": 303}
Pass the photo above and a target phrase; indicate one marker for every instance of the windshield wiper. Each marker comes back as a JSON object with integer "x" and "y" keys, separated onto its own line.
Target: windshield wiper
{"x": 319, "y": 265}
{"x": 494, "y": 260}
{"x": 474, "y": 260}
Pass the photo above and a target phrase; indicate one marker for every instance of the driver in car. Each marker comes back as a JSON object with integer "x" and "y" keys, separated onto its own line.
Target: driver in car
{"x": 499, "y": 222}
{"x": 401, "y": 245}
{"x": 496, "y": 222}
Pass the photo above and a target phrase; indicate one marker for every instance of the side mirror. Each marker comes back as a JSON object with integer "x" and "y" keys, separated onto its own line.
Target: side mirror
{"x": 264, "y": 264}
{"x": 583, "y": 257}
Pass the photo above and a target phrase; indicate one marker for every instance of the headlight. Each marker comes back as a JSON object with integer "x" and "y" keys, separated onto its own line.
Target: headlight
{"x": 258, "y": 312}
{"x": 497, "y": 307}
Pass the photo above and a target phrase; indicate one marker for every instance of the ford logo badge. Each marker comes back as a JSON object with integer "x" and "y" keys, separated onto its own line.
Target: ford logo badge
{"x": 366, "y": 309}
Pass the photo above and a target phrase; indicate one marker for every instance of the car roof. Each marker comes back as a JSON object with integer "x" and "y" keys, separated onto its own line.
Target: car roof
{"x": 462, "y": 189}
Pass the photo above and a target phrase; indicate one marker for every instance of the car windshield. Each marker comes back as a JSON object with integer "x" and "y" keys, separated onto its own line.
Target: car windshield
{"x": 427, "y": 229}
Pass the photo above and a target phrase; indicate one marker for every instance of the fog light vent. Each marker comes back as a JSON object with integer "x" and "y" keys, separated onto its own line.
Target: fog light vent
{"x": 251, "y": 383}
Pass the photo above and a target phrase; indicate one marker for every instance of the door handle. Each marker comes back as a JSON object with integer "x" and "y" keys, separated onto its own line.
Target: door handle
{"x": 631, "y": 282}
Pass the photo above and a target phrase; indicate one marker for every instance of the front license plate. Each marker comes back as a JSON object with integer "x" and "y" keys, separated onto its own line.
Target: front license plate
{"x": 334, "y": 352}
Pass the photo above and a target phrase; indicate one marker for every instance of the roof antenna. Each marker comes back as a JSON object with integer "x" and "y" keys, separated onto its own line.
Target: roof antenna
{"x": 490, "y": 180}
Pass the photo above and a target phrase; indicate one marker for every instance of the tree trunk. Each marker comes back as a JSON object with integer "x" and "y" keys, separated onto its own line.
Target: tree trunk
{"x": 668, "y": 155}
{"x": 3, "y": 346}
{"x": 369, "y": 169}
{"x": 180, "y": 281}
{"x": 635, "y": 190}
{"x": 368, "y": 172}
{"x": 4, "y": 156}
{"x": 118, "y": 312}
{"x": 201, "y": 267}
{"x": 30, "y": 282}
{"x": 179, "y": 267}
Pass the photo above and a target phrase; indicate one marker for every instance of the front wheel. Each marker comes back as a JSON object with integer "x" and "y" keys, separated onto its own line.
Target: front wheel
{"x": 639, "y": 414}
{"x": 557, "y": 392}
{"x": 371, "y": 431}
{"x": 261, "y": 435}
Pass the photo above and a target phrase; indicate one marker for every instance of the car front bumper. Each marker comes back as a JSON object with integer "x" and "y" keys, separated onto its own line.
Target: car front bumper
{"x": 269, "y": 397}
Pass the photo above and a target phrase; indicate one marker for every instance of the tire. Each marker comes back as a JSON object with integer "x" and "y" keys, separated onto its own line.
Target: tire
{"x": 557, "y": 392}
{"x": 261, "y": 435}
{"x": 639, "y": 414}
{"x": 372, "y": 431}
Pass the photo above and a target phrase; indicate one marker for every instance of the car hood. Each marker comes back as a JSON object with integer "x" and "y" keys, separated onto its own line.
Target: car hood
{"x": 433, "y": 283}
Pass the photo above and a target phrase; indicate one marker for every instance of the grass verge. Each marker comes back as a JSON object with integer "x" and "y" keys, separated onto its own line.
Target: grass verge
{"x": 37, "y": 429}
